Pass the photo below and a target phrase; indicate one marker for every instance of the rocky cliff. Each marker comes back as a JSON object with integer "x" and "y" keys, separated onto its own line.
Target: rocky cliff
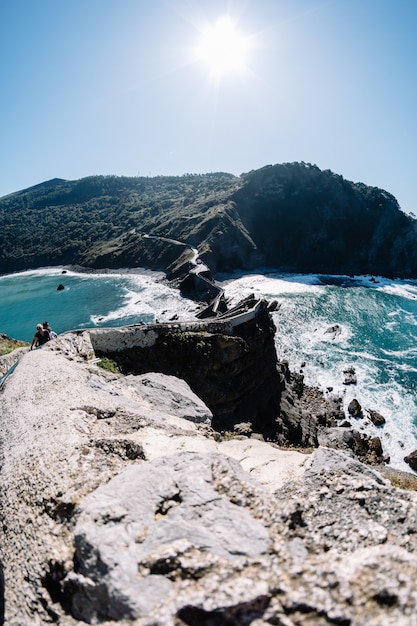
{"x": 304, "y": 219}
{"x": 232, "y": 369}
{"x": 121, "y": 504}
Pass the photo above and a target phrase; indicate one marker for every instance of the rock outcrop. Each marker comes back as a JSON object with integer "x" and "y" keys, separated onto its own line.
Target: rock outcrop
{"x": 233, "y": 369}
{"x": 121, "y": 505}
{"x": 411, "y": 459}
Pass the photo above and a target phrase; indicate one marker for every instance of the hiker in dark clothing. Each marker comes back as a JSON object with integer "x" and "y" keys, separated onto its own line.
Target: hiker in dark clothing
{"x": 41, "y": 336}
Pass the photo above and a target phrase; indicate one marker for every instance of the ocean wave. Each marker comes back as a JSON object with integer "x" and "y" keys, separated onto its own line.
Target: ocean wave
{"x": 147, "y": 301}
{"x": 270, "y": 286}
{"x": 400, "y": 289}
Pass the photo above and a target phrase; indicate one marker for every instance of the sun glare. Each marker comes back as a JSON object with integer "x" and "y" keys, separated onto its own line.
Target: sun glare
{"x": 223, "y": 48}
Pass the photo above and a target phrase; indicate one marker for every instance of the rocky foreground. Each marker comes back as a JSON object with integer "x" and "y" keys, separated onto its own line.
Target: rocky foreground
{"x": 121, "y": 505}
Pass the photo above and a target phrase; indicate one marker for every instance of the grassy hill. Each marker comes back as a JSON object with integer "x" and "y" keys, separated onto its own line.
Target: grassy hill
{"x": 291, "y": 216}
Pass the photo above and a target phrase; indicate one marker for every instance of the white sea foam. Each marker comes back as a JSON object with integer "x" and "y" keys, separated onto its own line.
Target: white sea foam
{"x": 150, "y": 300}
{"x": 402, "y": 289}
{"x": 376, "y": 338}
{"x": 399, "y": 434}
{"x": 269, "y": 286}
{"x": 44, "y": 271}
{"x": 401, "y": 354}
{"x": 328, "y": 333}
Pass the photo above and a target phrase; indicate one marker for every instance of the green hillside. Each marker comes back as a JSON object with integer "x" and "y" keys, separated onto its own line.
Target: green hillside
{"x": 291, "y": 216}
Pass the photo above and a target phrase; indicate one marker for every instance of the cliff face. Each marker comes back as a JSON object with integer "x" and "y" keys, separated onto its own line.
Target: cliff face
{"x": 304, "y": 219}
{"x": 121, "y": 505}
{"x": 291, "y": 216}
{"x": 234, "y": 371}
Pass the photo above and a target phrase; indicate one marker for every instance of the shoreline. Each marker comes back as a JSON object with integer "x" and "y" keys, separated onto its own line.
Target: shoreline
{"x": 80, "y": 269}
{"x": 368, "y": 280}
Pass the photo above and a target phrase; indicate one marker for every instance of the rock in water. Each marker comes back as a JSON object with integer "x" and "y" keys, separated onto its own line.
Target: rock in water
{"x": 350, "y": 376}
{"x": 355, "y": 408}
{"x": 376, "y": 418}
{"x": 411, "y": 459}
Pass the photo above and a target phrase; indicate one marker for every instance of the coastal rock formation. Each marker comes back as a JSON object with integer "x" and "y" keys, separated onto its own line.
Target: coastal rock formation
{"x": 233, "y": 369}
{"x": 349, "y": 376}
{"x": 121, "y": 505}
{"x": 355, "y": 408}
{"x": 376, "y": 418}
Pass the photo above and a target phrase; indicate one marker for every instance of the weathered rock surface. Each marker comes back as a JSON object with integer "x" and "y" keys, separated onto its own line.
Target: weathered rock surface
{"x": 349, "y": 376}
{"x": 234, "y": 371}
{"x": 411, "y": 459}
{"x": 376, "y": 418}
{"x": 177, "y": 398}
{"x": 120, "y": 507}
{"x": 355, "y": 408}
{"x": 7, "y": 360}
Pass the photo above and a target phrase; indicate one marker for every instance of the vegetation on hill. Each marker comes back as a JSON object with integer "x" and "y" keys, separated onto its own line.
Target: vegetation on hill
{"x": 7, "y": 344}
{"x": 291, "y": 216}
{"x": 305, "y": 219}
{"x": 60, "y": 222}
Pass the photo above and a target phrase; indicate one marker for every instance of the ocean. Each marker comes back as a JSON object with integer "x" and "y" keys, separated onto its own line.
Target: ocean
{"x": 375, "y": 321}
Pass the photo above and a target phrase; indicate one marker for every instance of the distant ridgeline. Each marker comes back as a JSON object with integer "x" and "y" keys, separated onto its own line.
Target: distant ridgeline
{"x": 293, "y": 217}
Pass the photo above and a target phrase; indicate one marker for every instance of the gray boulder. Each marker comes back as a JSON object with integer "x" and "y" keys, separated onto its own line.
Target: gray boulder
{"x": 355, "y": 408}
{"x": 349, "y": 376}
{"x": 376, "y": 418}
{"x": 125, "y": 527}
{"x": 170, "y": 394}
{"x": 411, "y": 459}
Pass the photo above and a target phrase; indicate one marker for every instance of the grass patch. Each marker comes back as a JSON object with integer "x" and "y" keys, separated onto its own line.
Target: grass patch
{"x": 398, "y": 478}
{"x": 8, "y": 345}
{"x": 109, "y": 365}
{"x": 409, "y": 483}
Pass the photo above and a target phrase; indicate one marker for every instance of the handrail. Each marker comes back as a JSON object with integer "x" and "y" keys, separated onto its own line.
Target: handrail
{"x": 7, "y": 374}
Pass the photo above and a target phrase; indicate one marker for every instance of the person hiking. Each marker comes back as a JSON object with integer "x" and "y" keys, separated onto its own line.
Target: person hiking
{"x": 41, "y": 337}
{"x": 52, "y": 333}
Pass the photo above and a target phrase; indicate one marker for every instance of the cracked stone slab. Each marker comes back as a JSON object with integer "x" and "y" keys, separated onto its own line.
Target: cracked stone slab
{"x": 145, "y": 508}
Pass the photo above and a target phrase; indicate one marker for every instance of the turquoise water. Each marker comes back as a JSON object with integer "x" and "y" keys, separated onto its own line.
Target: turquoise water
{"x": 87, "y": 300}
{"x": 377, "y": 324}
{"x": 378, "y": 338}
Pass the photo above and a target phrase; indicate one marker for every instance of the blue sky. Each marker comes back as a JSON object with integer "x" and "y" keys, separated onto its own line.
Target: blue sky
{"x": 114, "y": 87}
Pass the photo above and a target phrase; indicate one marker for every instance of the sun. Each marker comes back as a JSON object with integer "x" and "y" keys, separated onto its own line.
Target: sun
{"x": 223, "y": 48}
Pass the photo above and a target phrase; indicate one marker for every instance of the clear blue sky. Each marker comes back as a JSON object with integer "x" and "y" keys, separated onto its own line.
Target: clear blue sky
{"x": 113, "y": 87}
